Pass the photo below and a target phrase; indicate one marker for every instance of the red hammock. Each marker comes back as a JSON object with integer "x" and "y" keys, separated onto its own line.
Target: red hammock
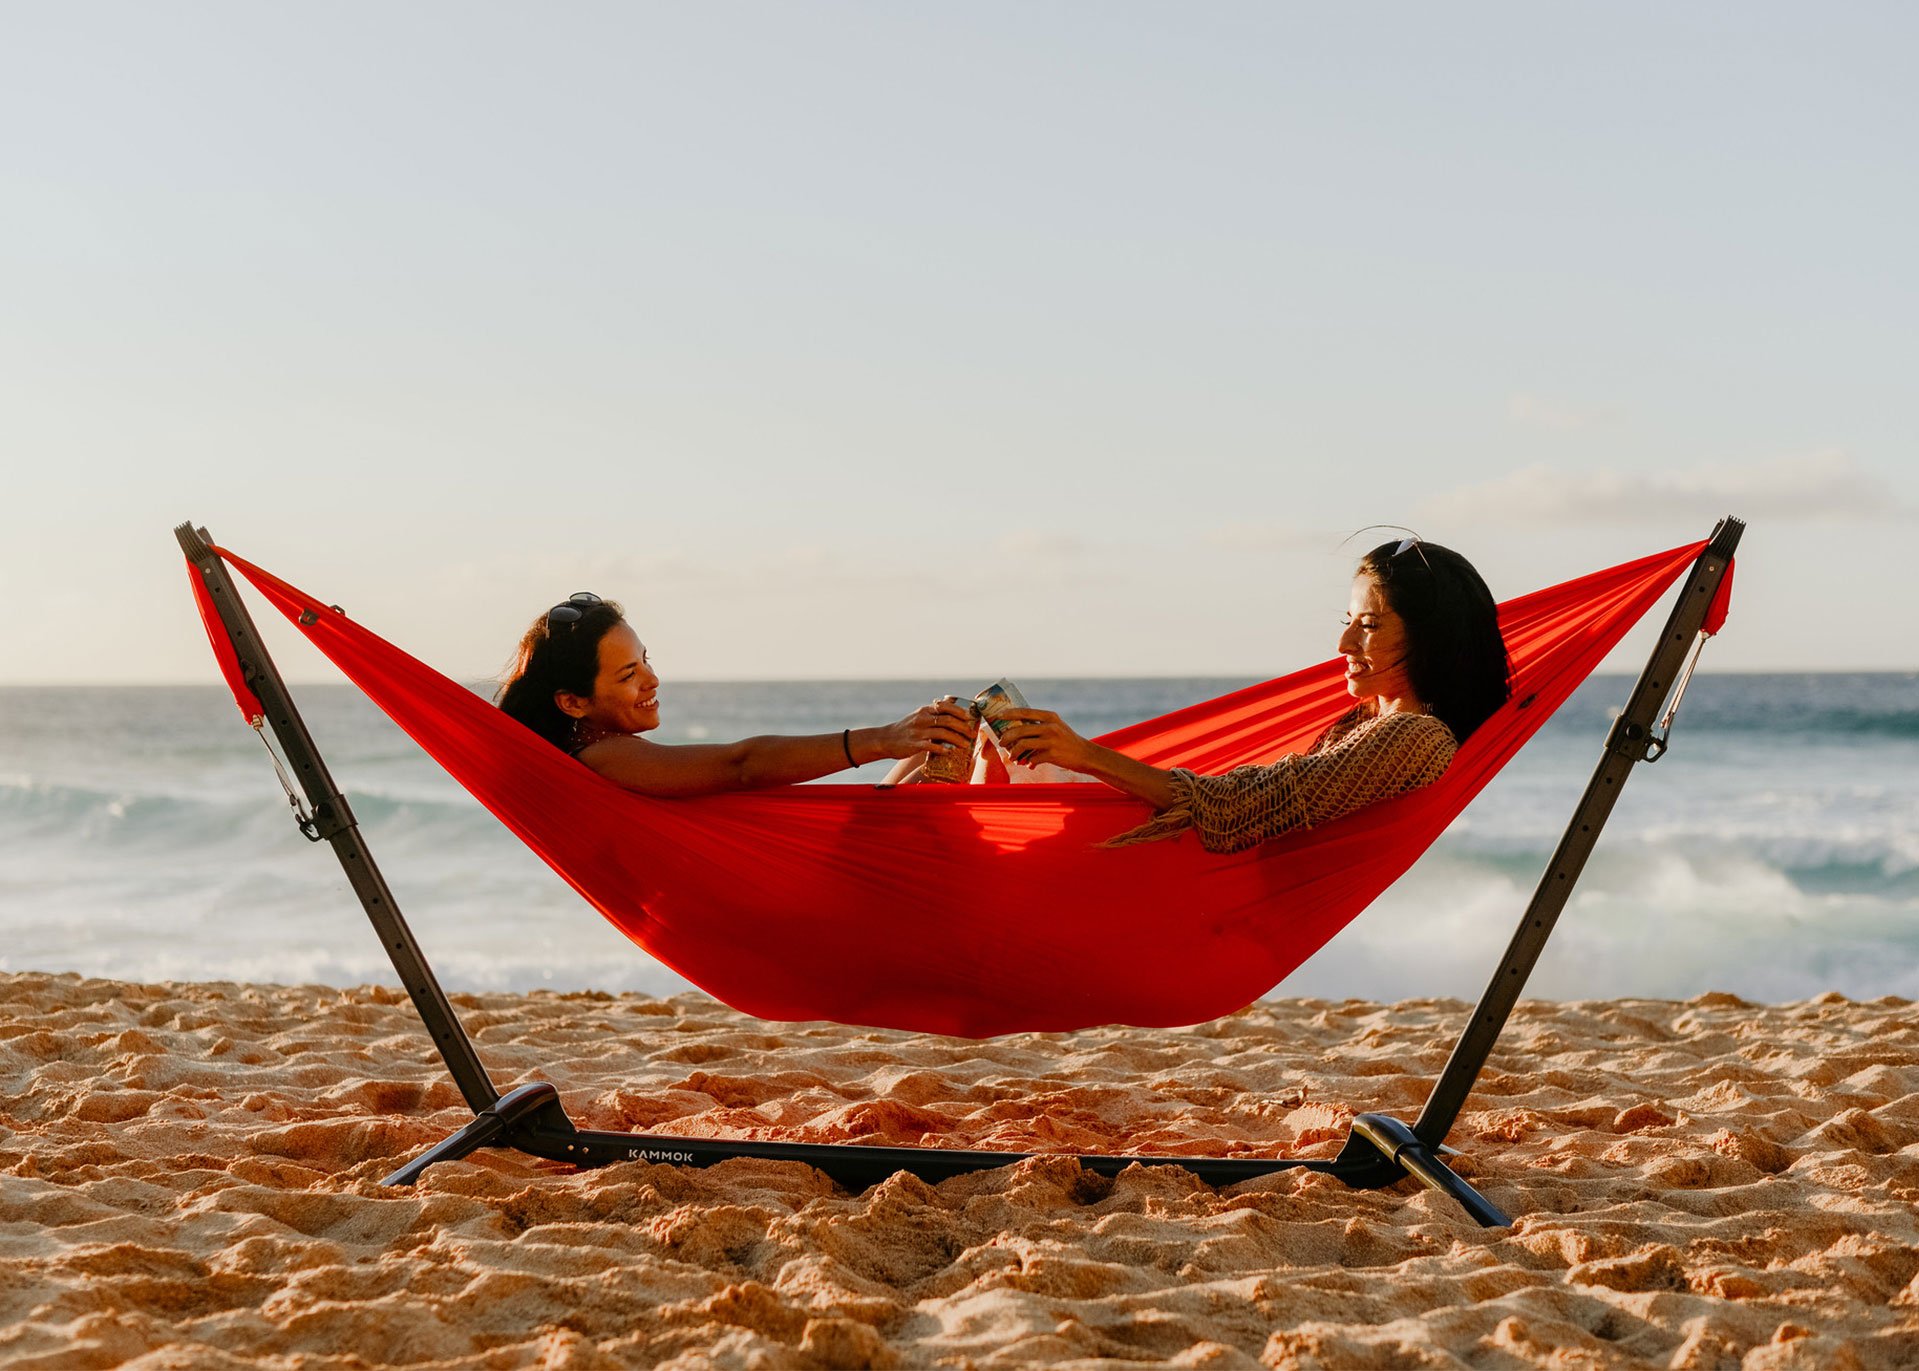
{"x": 977, "y": 910}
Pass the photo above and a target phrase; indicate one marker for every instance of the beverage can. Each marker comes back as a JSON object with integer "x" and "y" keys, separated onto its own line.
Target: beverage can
{"x": 998, "y": 703}
{"x": 950, "y": 766}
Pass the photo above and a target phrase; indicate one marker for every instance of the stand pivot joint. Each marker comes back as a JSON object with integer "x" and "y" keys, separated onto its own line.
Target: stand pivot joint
{"x": 331, "y": 817}
{"x": 1633, "y": 740}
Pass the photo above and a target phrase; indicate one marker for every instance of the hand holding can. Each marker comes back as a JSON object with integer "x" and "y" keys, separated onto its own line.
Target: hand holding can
{"x": 998, "y": 703}
{"x": 951, "y": 762}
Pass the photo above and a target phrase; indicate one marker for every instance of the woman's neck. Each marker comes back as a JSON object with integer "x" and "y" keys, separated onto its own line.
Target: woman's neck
{"x": 586, "y": 733}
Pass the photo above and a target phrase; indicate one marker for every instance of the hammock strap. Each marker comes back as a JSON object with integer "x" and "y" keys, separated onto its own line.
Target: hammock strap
{"x": 309, "y": 825}
{"x": 1656, "y": 746}
{"x": 1715, "y": 620}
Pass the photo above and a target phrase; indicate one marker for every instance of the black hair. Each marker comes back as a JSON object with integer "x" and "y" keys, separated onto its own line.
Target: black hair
{"x": 551, "y": 657}
{"x": 1455, "y": 654}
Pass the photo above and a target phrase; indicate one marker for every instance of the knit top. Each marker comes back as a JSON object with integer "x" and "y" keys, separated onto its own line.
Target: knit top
{"x": 1361, "y": 758}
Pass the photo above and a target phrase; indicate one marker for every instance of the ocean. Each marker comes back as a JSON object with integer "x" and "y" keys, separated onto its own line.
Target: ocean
{"x": 1773, "y": 853}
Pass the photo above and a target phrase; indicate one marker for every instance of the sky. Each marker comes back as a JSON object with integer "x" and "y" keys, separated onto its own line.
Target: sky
{"x": 913, "y": 340}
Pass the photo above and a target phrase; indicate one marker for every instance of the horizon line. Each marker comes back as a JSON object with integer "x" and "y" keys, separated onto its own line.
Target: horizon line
{"x": 309, "y": 682}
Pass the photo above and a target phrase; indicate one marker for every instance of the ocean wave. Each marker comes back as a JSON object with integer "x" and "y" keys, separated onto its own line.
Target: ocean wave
{"x": 1829, "y": 722}
{"x": 120, "y": 816}
{"x": 1801, "y": 707}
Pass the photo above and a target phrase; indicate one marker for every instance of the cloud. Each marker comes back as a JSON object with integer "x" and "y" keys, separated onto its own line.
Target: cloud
{"x": 1526, "y": 410}
{"x": 1822, "y": 487}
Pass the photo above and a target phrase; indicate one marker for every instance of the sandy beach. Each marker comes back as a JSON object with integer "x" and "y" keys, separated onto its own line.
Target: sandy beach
{"x": 188, "y": 1178}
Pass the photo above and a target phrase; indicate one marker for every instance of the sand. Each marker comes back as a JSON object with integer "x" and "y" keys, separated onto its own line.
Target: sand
{"x": 189, "y": 1178}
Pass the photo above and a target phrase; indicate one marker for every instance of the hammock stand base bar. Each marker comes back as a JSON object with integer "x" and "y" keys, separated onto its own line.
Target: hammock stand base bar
{"x": 531, "y": 1119}
{"x": 1379, "y": 1151}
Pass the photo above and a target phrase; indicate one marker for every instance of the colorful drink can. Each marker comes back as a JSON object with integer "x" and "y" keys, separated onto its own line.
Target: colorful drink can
{"x": 998, "y": 703}
{"x": 952, "y": 765}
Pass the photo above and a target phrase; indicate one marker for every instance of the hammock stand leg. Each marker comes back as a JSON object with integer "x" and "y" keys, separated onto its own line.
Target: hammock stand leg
{"x": 1380, "y": 1151}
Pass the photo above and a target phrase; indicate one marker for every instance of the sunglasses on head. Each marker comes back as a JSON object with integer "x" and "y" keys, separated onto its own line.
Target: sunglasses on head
{"x": 571, "y": 610}
{"x": 1413, "y": 544}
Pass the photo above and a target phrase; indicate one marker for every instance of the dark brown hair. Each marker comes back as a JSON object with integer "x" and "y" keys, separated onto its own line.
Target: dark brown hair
{"x": 564, "y": 656}
{"x": 1455, "y": 653}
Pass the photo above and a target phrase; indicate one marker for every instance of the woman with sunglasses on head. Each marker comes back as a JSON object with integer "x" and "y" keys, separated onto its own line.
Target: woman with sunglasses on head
{"x": 1427, "y": 665}
{"x": 582, "y": 681}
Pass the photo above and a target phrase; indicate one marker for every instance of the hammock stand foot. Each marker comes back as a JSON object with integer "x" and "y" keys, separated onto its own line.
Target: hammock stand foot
{"x": 1381, "y": 1150}
{"x": 495, "y": 1126}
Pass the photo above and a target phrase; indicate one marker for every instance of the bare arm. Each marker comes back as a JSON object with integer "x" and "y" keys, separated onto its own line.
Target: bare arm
{"x": 669, "y": 770}
{"x": 1041, "y": 736}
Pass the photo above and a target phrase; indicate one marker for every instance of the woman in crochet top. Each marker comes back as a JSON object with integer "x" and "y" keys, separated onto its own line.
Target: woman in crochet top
{"x": 1427, "y": 665}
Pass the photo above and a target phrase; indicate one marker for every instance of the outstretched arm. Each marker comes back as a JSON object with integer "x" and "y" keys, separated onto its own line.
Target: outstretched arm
{"x": 668, "y": 770}
{"x": 1038, "y": 735}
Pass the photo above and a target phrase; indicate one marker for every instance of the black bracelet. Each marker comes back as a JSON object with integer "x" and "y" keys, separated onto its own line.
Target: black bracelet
{"x": 846, "y": 745}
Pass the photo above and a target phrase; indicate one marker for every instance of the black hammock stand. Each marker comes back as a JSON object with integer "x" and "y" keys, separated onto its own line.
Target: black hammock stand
{"x": 1379, "y": 1151}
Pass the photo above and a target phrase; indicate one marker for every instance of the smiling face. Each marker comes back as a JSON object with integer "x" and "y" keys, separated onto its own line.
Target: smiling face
{"x": 626, "y": 696}
{"x": 1374, "y": 646}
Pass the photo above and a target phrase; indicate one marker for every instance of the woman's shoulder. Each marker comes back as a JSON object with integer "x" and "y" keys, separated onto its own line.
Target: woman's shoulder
{"x": 1344, "y": 727}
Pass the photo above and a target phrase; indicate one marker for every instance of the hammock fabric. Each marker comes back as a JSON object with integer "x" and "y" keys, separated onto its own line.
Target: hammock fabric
{"x": 977, "y": 910}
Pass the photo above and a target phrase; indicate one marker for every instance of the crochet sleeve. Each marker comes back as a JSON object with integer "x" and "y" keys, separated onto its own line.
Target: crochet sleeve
{"x": 1390, "y": 756}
